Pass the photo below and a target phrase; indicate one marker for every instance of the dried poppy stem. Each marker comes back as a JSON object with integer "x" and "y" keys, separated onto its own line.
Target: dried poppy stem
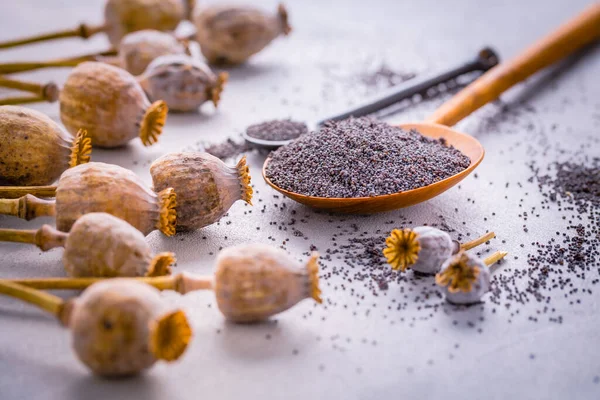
{"x": 47, "y": 302}
{"x": 14, "y": 67}
{"x": 28, "y": 207}
{"x": 43, "y": 92}
{"x": 45, "y": 238}
{"x": 182, "y": 283}
{"x": 14, "y": 192}
{"x": 84, "y": 31}
{"x": 494, "y": 258}
{"x": 478, "y": 241}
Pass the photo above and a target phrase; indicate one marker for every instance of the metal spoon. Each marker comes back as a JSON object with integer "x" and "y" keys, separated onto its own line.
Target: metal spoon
{"x": 573, "y": 35}
{"x": 485, "y": 59}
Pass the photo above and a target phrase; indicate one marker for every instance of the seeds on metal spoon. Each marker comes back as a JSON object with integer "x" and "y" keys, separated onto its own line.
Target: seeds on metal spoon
{"x": 206, "y": 187}
{"x": 35, "y": 150}
{"x": 277, "y": 130}
{"x": 231, "y": 34}
{"x": 252, "y": 282}
{"x": 424, "y": 249}
{"x": 362, "y": 157}
{"x": 111, "y": 105}
{"x": 119, "y": 327}
{"x": 122, "y": 17}
{"x": 99, "y": 187}
{"x": 183, "y": 82}
{"x": 466, "y": 278}
{"x": 99, "y": 245}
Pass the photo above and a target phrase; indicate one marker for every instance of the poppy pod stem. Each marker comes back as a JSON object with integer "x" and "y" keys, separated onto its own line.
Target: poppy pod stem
{"x": 47, "y": 302}
{"x": 84, "y": 31}
{"x": 45, "y": 238}
{"x": 14, "y": 67}
{"x": 478, "y": 241}
{"x": 494, "y": 258}
{"x": 182, "y": 283}
{"x": 14, "y": 192}
{"x": 28, "y": 207}
{"x": 46, "y": 92}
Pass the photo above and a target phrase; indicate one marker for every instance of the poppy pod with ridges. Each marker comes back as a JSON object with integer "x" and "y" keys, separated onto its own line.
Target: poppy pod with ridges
{"x": 98, "y": 245}
{"x": 254, "y": 282}
{"x": 35, "y": 150}
{"x": 122, "y": 327}
{"x": 111, "y": 105}
{"x": 232, "y": 34}
{"x": 126, "y": 16}
{"x": 99, "y": 187}
{"x": 206, "y": 187}
{"x": 138, "y": 49}
{"x": 183, "y": 82}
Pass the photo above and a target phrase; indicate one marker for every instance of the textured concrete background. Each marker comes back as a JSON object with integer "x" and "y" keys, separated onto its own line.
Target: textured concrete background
{"x": 347, "y": 348}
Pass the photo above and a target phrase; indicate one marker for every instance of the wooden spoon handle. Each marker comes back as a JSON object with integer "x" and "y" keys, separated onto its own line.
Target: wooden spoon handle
{"x": 573, "y": 35}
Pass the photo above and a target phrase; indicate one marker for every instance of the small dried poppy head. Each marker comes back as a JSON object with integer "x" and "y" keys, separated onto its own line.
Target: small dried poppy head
{"x": 402, "y": 249}
{"x": 460, "y": 274}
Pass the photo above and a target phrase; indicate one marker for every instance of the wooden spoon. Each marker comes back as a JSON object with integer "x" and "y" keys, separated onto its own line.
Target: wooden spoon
{"x": 573, "y": 35}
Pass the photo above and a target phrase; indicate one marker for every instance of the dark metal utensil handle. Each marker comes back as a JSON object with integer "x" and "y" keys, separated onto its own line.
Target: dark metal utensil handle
{"x": 486, "y": 59}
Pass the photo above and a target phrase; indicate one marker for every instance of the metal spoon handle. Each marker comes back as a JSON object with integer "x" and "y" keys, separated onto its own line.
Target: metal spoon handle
{"x": 486, "y": 59}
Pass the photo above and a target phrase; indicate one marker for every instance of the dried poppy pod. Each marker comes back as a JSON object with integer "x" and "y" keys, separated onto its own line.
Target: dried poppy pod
{"x": 111, "y": 105}
{"x": 252, "y": 282}
{"x": 231, "y": 34}
{"x": 424, "y": 249}
{"x": 35, "y": 150}
{"x": 99, "y": 187}
{"x": 119, "y": 327}
{"x": 122, "y": 17}
{"x": 206, "y": 187}
{"x": 183, "y": 82}
{"x": 98, "y": 244}
{"x": 466, "y": 278}
{"x": 138, "y": 49}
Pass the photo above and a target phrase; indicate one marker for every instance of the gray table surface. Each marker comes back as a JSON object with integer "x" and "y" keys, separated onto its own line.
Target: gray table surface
{"x": 356, "y": 345}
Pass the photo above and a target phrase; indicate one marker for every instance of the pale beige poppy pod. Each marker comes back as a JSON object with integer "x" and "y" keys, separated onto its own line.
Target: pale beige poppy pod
{"x": 110, "y": 104}
{"x": 183, "y": 82}
{"x": 255, "y": 281}
{"x": 121, "y": 327}
{"x": 124, "y": 16}
{"x": 138, "y": 49}
{"x": 99, "y": 187}
{"x": 231, "y": 34}
{"x": 101, "y": 245}
{"x": 35, "y": 150}
{"x": 206, "y": 187}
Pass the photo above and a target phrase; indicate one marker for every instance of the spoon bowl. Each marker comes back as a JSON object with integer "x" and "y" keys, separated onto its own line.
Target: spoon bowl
{"x": 468, "y": 145}
{"x": 569, "y": 37}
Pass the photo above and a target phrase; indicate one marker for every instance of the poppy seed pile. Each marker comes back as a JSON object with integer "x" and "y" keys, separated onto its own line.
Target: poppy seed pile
{"x": 362, "y": 157}
{"x": 277, "y": 130}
